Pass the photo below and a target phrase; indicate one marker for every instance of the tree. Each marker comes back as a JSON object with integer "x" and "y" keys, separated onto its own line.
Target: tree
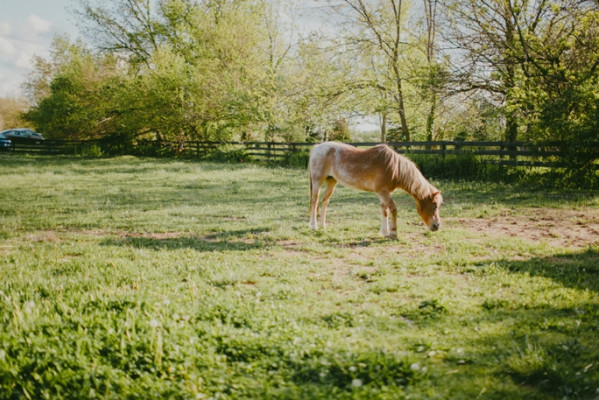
{"x": 484, "y": 34}
{"x": 130, "y": 27}
{"x": 562, "y": 77}
{"x": 381, "y": 35}
{"x": 340, "y": 131}
{"x": 510, "y": 45}
{"x": 11, "y": 110}
{"x": 74, "y": 93}
{"x": 184, "y": 70}
{"x": 434, "y": 71}
{"x": 37, "y": 84}
{"x": 540, "y": 60}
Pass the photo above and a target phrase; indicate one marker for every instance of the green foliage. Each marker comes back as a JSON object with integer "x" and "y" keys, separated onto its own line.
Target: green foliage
{"x": 11, "y": 112}
{"x": 81, "y": 95}
{"x": 229, "y": 155}
{"x": 298, "y": 159}
{"x": 542, "y": 59}
{"x": 92, "y": 150}
{"x": 468, "y": 166}
{"x": 559, "y": 102}
{"x": 340, "y": 131}
{"x": 463, "y": 166}
{"x": 194, "y": 73}
{"x": 571, "y": 124}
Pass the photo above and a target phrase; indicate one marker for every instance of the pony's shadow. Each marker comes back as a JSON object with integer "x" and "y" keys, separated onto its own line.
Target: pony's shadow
{"x": 239, "y": 240}
{"x": 367, "y": 242}
{"x": 331, "y": 240}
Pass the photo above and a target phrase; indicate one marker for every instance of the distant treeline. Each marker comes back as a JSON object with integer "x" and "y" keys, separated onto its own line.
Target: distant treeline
{"x": 186, "y": 70}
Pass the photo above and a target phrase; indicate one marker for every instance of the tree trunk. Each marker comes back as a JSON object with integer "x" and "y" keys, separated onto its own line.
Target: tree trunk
{"x": 430, "y": 119}
{"x": 405, "y": 130}
{"x": 430, "y": 7}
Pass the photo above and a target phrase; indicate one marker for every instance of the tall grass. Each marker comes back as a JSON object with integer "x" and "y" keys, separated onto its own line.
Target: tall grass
{"x": 145, "y": 278}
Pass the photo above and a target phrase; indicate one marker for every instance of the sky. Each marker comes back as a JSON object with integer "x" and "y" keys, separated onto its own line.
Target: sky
{"x": 27, "y": 28}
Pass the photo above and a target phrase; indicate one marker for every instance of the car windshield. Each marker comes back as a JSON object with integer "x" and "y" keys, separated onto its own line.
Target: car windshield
{"x": 24, "y": 133}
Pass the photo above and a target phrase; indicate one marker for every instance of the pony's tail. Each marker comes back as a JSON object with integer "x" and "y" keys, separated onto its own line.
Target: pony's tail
{"x": 310, "y": 184}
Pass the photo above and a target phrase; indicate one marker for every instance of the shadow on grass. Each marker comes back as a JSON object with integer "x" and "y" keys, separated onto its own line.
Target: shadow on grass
{"x": 548, "y": 349}
{"x": 240, "y": 240}
{"x": 522, "y": 194}
{"x": 547, "y": 352}
{"x": 573, "y": 270}
{"x": 353, "y": 243}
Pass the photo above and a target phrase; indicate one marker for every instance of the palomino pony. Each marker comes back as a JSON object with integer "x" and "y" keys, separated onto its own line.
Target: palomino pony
{"x": 378, "y": 169}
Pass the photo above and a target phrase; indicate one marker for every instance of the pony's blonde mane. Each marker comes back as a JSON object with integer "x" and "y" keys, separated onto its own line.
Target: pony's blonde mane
{"x": 405, "y": 174}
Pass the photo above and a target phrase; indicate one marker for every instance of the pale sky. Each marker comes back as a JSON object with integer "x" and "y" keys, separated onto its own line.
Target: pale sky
{"x": 27, "y": 28}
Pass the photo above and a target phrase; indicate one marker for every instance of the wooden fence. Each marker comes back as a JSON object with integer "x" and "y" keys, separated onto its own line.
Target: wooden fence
{"x": 493, "y": 152}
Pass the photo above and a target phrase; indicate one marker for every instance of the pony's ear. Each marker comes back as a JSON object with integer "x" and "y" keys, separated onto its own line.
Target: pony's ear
{"x": 437, "y": 198}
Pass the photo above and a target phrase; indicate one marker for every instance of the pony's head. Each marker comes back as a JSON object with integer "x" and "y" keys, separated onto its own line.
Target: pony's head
{"x": 428, "y": 208}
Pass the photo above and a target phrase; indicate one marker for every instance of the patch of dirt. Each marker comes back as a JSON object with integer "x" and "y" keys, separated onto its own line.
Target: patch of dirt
{"x": 151, "y": 235}
{"x": 43, "y": 236}
{"x": 556, "y": 227}
{"x": 58, "y": 235}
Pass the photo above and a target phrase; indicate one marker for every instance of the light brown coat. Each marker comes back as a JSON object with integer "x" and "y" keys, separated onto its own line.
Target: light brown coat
{"x": 378, "y": 169}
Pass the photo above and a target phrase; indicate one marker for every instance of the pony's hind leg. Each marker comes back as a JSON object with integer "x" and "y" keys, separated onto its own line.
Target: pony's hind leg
{"x": 314, "y": 193}
{"x": 328, "y": 192}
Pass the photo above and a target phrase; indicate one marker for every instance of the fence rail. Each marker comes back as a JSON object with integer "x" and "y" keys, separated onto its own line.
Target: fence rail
{"x": 493, "y": 152}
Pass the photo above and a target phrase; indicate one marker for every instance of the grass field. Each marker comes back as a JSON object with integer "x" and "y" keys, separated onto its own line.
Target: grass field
{"x": 144, "y": 278}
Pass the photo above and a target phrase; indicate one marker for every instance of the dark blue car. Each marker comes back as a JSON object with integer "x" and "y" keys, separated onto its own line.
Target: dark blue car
{"x": 4, "y": 142}
{"x": 22, "y": 133}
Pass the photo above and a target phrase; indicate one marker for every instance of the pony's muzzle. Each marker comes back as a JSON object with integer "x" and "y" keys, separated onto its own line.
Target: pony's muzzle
{"x": 434, "y": 226}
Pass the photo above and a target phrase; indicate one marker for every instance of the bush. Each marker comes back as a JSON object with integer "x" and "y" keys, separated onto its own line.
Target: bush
{"x": 570, "y": 124}
{"x": 153, "y": 149}
{"x": 229, "y": 155}
{"x": 463, "y": 166}
{"x": 92, "y": 150}
{"x": 297, "y": 160}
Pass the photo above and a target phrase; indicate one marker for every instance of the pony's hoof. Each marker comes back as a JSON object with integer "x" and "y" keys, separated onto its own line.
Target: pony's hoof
{"x": 392, "y": 235}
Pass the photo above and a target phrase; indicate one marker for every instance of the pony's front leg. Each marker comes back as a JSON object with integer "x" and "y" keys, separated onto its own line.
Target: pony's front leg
{"x": 388, "y": 204}
{"x": 384, "y": 220}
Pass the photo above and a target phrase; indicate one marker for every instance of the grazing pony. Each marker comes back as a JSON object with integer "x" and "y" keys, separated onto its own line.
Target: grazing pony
{"x": 378, "y": 169}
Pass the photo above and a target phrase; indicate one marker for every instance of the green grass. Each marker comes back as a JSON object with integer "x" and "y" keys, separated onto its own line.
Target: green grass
{"x": 144, "y": 278}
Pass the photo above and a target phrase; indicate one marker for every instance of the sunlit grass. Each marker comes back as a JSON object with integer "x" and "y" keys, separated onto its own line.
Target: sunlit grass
{"x": 145, "y": 278}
